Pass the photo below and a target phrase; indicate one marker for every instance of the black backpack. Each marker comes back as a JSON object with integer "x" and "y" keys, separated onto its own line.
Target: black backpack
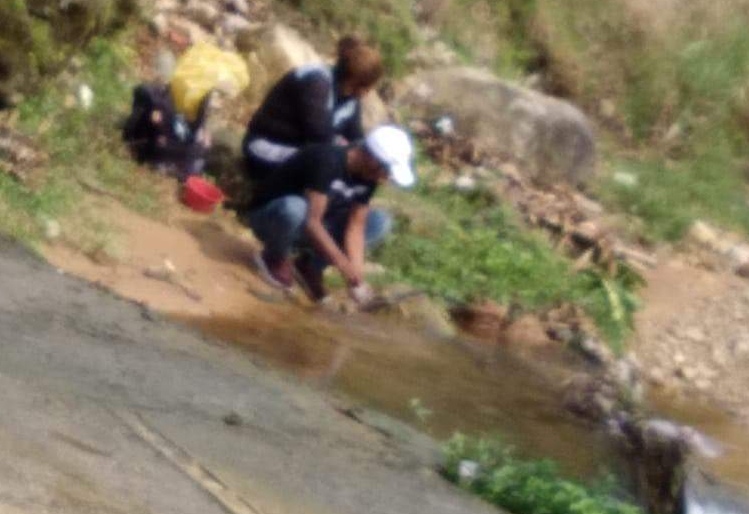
{"x": 171, "y": 142}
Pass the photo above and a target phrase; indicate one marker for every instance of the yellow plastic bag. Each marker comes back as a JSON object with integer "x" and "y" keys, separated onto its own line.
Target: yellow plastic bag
{"x": 202, "y": 68}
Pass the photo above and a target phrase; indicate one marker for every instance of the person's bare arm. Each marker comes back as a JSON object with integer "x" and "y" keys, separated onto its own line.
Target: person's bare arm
{"x": 323, "y": 241}
{"x": 354, "y": 239}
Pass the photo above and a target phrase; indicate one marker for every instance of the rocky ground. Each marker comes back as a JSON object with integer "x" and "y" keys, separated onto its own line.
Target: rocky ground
{"x": 692, "y": 335}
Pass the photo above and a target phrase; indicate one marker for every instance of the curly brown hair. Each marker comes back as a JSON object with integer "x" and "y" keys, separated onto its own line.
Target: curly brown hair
{"x": 360, "y": 63}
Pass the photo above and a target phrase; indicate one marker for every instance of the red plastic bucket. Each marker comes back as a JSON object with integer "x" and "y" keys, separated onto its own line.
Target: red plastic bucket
{"x": 200, "y": 195}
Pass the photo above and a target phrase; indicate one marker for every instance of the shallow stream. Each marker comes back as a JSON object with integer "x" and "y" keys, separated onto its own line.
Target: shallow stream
{"x": 444, "y": 386}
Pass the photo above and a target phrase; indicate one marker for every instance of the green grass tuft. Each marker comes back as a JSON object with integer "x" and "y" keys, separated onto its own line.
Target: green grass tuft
{"x": 528, "y": 487}
{"x": 669, "y": 197}
{"x": 464, "y": 247}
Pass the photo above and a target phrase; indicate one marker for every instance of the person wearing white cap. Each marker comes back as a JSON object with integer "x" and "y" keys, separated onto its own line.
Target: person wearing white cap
{"x": 317, "y": 204}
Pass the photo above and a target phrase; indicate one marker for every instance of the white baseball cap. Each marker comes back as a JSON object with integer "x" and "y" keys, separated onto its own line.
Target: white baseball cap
{"x": 392, "y": 147}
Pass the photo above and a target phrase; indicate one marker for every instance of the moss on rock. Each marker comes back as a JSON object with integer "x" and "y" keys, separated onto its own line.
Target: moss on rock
{"x": 37, "y": 37}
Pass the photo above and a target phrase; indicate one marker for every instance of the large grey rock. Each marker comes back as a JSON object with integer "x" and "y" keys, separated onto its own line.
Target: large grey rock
{"x": 550, "y": 139}
{"x": 272, "y": 52}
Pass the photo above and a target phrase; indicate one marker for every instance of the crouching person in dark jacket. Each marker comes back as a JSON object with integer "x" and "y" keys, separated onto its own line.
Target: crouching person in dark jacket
{"x": 158, "y": 134}
{"x": 317, "y": 204}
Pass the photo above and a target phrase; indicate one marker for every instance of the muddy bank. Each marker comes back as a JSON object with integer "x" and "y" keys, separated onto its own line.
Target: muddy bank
{"x": 515, "y": 390}
{"x": 76, "y": 358}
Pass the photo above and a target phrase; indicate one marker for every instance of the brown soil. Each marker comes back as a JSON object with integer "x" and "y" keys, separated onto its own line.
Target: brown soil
{"x": 197, "y": 269}
{"x": 186, "y": 264}
{"x": 207, "y": 260}
{"x": 692, "y": 336}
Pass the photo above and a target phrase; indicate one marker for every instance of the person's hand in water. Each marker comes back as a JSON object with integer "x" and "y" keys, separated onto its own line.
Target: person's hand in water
{"x": 362, "y": 294}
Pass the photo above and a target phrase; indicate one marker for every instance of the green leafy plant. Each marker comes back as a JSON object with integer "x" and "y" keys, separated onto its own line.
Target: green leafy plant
{"x": 668, "y": 197}
{"x": 526, "y": 487}
{"x": 464, "y": 247}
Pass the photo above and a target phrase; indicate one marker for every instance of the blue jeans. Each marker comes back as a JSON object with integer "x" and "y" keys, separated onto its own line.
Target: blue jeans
{"x": 279, "y": 224}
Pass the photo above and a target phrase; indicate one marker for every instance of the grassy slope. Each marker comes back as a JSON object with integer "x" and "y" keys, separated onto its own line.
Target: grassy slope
{"x": 84, "y": 150}
{"x": 463, "y": 261}
{"x": 677, "y": 70}
{"x": 655, "y": 79}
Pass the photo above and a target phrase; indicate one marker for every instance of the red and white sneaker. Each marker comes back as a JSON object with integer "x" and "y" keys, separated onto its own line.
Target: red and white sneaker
{"x": 277, "y": 273}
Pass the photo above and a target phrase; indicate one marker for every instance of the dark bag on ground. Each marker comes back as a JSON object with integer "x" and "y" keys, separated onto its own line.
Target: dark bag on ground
{"x": 173, "y": 141}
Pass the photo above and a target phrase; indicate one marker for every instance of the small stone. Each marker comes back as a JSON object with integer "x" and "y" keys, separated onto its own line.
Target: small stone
{"x": 374, "y": 268}
{"x": 740, "y": 347}
{"x": 589, "y": 206}
{"x": 687, "y": 373}
{"x": 534, "y": 81}
{"x": 673, "y": 134}
{"x": 164, "y": 64}
{"x": 720, "y": 356}
{"x": 703, "y": 384}
{"x": 511, "y": 172}
{"x": 424, "y": 90}
{"x": 194, "y": 32}
{"x": 52, "y": 229}
{"x": 695, "y": 334}
{"x": 468, "y": 471}
{"x": 16, "y": 98}
{"x": 147, "y": 313}
{"x": 444, "y": 126}
{"x": 104, "y": 256}
{"x": 679, "y": 358}
{"x": 707, "y": 372}
{"x": 167, "y": 5}
{"x": 465, "y": 184}
{"x": 605, "y": 404}
{"x": 739, "y": 255}
{"x": 203, "y": 13}
{"x": 159, "y": 24}
{"x": 237, "y": 6}
{"x": 169, "y": 266}
{"x": 85, "y": 96}
{"x": 76, "y": 63}
{"x": 607, "y": 108}
{"x": 483, "y": 173}
{"x": 743, "y": 270}
{"x": 657, "y": 376}
{"x": 233, "y": 419}
{"x": 626, "y": 179}
{"x": 159, "y": 273}
{"x": 703, "y": 233}
{"x": 235, "y": 24}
